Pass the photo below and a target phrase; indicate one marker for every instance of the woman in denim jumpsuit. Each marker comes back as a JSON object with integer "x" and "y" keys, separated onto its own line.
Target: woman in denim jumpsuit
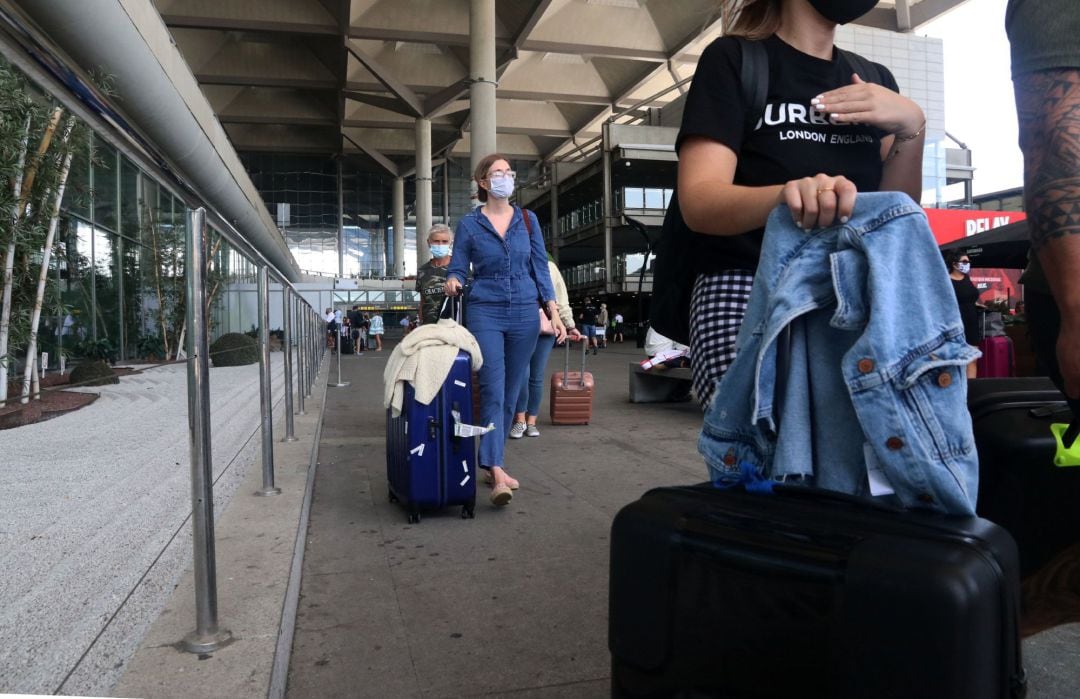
{"x": 510, "y": 275}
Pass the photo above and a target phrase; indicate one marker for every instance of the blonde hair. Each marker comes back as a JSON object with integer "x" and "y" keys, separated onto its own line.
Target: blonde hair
{"x": 752, "y": 19}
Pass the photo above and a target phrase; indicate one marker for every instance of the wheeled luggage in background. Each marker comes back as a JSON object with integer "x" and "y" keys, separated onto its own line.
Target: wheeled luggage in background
{"x": 807, "y": 593}
{"x": 347, "y": 344}
{"x": 572, "y": 392}
{"x": 1020, "y": 487}
{"x": 427, "y": 466}
{"x": 997, "y": 360}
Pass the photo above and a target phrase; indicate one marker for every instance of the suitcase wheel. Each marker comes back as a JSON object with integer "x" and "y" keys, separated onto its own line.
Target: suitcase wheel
{"x": 414, "y": 517}
{"x": 390, "y": 494}
{"x": 468, "y": 512}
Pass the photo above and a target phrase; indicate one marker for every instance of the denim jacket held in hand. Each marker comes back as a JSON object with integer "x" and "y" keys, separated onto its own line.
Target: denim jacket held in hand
{"x": 511, "y": 270}
{"x": 875, "y": 387}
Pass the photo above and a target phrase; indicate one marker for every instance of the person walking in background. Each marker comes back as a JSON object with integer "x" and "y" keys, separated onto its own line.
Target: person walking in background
{"x": 967, "y": 298}
{"x": 375, "y": 330}
{"x": 532, "y": 391}
{"x": 588, "y": 322}
{"x": 356, "y": 322}
{"x": 331, "y": 328}
{"x": 601, "y": 326}
{"x": 431, "y": 277}
{"x": 617, "y": 328}
{"x": 511, "y": 273}
{"x": 1043, "y": 36}
{"x": 736, "y": 167}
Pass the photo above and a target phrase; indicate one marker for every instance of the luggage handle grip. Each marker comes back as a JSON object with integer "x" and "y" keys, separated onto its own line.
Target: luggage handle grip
{"x": 584, "y": 352}
{"x": 821, "y": 494}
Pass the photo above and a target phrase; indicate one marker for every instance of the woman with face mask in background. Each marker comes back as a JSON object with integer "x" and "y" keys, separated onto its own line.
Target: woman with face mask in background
{"x": 826, "y": 134}
{"x": 510, "y": 274}
{"x": 431, "y": 277}
{"x": 967, "y": 297}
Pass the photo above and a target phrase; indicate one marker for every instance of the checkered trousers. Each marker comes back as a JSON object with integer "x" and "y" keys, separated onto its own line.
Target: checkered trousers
{"x": 717, "y": 307}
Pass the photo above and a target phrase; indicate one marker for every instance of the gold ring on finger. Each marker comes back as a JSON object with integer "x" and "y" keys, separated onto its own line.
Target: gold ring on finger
{"x": 824, "y": 189}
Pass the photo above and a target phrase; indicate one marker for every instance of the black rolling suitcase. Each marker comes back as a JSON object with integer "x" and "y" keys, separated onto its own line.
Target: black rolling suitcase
{"x": 1020, "y": 486}
{"x": 806, "y": 593}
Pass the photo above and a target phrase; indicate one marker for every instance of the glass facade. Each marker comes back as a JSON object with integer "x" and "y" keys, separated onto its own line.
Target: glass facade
{"x": 116, "y": 285}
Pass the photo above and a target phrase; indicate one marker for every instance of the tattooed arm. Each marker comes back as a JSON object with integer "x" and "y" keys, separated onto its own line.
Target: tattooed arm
{"x": 1048, "y": 107}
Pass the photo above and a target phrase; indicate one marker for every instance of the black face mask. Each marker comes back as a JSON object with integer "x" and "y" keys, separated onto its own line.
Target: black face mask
{"x": 843, "y": 11}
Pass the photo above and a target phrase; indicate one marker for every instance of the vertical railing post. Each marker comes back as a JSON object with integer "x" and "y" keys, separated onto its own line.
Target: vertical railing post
{"x": 286, "y": 321}
{"x": 337, "y": 344}
{"x": 206, "y": 637}
{"x": 301, "y": 370}
{"x": 266, "y": 408}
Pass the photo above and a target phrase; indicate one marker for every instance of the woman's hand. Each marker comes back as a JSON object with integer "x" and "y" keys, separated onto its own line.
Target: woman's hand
{"x": 452, "y": 287}
{"x": 573, "y": 334}
{"x": 868, "y": 103}
{"x": 819, "y": 201}
{"x": 556, "y": 322}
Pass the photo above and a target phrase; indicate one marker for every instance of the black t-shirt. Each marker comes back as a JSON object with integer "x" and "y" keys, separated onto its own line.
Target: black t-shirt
{"x": 790, "y": 140}
{"x": 966, "y": 298}
{"x": 588, "y": 314}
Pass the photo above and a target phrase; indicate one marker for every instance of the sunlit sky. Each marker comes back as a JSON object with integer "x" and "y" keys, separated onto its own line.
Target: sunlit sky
{"x": 979, "y": 105}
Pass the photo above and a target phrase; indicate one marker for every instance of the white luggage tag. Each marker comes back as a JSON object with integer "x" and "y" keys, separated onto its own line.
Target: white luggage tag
{"x": 463, "y": 430}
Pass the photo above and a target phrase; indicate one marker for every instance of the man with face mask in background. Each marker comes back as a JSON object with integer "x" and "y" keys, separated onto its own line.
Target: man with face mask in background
{"x": 431, "y": 277}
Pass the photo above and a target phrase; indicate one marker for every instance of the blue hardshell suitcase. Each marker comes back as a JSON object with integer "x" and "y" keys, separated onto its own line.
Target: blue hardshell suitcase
{"x": 427, "y": 467}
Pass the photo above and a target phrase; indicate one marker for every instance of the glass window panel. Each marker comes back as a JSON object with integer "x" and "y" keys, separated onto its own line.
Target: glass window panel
{"x": 129, "y": 201}
{"x": 635, "y": 198}
{"x": 654, "y": 198}
{"x": 77, "y": 191}
{"x": 105, "y": 185}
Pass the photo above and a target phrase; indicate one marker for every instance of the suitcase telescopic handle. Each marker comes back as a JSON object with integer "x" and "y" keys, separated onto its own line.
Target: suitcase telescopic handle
{"x": 566, "y": 369}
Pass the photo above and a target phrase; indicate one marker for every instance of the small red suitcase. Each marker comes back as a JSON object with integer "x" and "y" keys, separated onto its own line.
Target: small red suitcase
{"x": 997, "y": 358}
{"x": 572, "y": 392}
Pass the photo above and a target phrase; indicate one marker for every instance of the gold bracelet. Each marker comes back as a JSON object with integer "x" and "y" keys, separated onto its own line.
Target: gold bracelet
{"x": 912, "y": 137}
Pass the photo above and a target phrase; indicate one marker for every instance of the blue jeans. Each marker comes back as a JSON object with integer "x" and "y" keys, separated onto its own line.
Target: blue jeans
{"x": 507, "y": 336}
{"x": 532, "y": 392}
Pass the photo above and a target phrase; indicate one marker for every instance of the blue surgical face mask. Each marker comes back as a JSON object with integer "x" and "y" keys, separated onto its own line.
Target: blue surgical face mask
{"x": 501, "y": 187}
{"x": 963, "y": 267}
{"x": 440, "y": 250}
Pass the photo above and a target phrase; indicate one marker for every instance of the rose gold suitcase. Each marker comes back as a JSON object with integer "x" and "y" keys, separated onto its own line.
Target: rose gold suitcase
{"x": 572, "y": 392}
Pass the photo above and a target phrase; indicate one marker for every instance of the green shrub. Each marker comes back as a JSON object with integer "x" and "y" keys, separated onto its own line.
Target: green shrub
{"x": 234, "y": 349}
{"x": 96, "y": 373}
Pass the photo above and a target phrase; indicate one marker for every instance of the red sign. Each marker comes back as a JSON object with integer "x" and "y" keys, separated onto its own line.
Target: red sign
{"x": 951, "y": 224}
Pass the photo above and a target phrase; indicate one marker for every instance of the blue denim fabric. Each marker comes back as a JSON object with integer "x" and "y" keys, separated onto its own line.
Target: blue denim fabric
{"x": 509, "y": 275}
{"x": 506, "y": 341}
{"x": 532, "y": 392}
{"x": 508, "y": 271}
{"x": 876, "y": 372}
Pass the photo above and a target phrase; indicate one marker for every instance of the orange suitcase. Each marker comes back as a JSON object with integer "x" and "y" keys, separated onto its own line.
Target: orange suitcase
{"x": 572, "y": 392}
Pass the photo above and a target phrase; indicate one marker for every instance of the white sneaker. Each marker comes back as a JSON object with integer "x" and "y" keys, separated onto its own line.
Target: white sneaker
{"x": 531, "y": 431}
{"x": 517, "y": 431}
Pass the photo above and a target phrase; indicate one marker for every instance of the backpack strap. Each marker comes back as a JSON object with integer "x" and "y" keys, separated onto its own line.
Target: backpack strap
{"x": 754, "y": 78}
{"x": 528, "y": 222}
{"x": 866, "y": 69}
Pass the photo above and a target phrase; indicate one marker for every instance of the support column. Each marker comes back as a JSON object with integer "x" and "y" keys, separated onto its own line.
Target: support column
{"x": 341, "y": 223}
{"x": 399, "y": 227}
{"x": 482, "y": 80}
{"x": 554, "y": 196}
{"x": 605, "y": 154}
{"x": 423, "y": 189}
{"x": 446, "y": 191}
